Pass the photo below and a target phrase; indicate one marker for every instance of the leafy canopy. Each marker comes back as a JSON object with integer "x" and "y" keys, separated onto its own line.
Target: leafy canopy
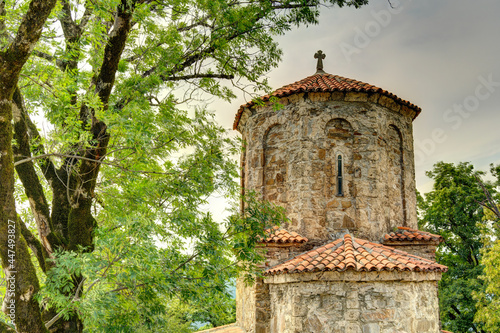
{"x": 453, "y": 210}
{"x": 118, "y": 183}
{"x": 488, "y": 299}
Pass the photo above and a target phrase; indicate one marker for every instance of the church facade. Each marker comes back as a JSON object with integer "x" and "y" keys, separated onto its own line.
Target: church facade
{"x": 338, "y": 156}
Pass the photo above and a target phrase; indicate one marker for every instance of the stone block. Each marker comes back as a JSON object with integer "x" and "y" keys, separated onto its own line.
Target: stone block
{"x": 371, "y": 328}
{"x": 352, "y": 303}
{"x": 337, "y": 96}
{"x": 425, "y": 325}
{"x": 379, "y": 315}
{"x": 319, "y": 97}
{"x": 389, "y": 103}
{"x": 352, "y": 328}
{"x": 356, "y": 97}
{"x": 373, "y": 98}
{"x": 346, "y": 204}
{"x": 351, "y": 315}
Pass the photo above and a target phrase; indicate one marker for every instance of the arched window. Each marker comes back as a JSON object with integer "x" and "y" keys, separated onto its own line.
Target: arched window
{"x": 340, "y": 187}
{"x": 275, "y": 165}
{"x": 397, "y": 173}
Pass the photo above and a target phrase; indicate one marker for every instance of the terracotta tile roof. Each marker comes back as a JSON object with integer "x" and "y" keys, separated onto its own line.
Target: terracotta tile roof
{"x": 356, "y": 254}
{"x": 281, "y": 236}
{"x": 231, "y": 328}
{"x": 408, "y": 234}
{"x": 326, "y": 83}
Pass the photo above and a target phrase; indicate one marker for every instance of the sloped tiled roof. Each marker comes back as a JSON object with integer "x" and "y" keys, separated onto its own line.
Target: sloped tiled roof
{"x": 356, "y": 254}
{"x": 404, "y": 234}
{"x": 231, "y": 328}
{"x": 326, "y": 83}
{"x": 282, "y": 236}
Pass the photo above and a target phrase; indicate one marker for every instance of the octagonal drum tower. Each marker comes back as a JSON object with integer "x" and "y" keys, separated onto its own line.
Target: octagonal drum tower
{"x": 338, "y": 156}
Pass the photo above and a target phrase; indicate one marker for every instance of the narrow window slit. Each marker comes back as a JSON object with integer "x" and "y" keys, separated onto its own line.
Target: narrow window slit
{"x": 340, "y": 187}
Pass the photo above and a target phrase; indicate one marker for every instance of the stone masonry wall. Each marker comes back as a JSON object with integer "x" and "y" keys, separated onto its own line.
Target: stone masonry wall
{"x": 354, "y": 307}
{"x": 278, "y": 253}
{"x": 252, "y": 306}
{"x": 424, "y": 249}
{"x": 291, "y": 158}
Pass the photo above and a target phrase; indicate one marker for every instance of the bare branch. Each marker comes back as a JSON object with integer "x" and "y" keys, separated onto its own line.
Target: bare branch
{"x": 77, "y": 157}
{"x": 197, "y": 76}
{"x": 59, "y": 63}
{"x": 491, "y": 204}
{"x": 41, "y": 84}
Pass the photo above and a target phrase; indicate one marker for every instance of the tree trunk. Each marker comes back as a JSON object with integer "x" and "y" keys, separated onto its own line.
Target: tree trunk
{"x": 22, "y": 282}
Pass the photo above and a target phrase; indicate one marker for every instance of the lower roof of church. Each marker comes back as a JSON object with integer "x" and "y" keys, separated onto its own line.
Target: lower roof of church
{"x": 405, "y": 234}
{"x": 357, "y": 254}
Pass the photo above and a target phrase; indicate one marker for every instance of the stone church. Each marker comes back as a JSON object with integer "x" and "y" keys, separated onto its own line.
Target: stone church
{"x": 338, "y": 156}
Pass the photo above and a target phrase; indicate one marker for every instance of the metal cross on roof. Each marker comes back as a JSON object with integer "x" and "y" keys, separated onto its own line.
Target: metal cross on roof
{"x": 320, "y": 56}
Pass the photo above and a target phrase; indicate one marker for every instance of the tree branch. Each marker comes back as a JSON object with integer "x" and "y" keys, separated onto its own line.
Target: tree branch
{"x": 81, "y": 223}
{"x": 86, "y": 16}
{"x": 59, "y": 63}
{"x": 491, "y": 205}
{"x": 59, "y": 315}
{"x": 27, "y": 35}
{"x": 197, "y": 76}
{"x": 113, "y": 51}
{"x": 4, "y": 36}
{"x": 12, "y": 60}
{"x": 26, "y": 171}
{"x": 36, "y": 247}
{"x": 6, "y": 328}
{"x": 77, "y": 157}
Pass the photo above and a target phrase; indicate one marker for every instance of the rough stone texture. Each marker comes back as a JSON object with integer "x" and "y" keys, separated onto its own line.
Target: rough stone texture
{"x": 252, "y": 306}
{"x": 277, "y": 254}
{"x": 291, "y": 156}
{"x": 245, "y": 305}
{"x": 354, "y": 306}
{"x": 424, "y": 249}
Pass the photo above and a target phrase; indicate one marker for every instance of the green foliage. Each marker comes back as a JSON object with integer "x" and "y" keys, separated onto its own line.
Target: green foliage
{"x": 157, "y": 257}
{"x": 143, "y": 266}
{"x": 488, "y": 299}
{"x": 452, "y": 209}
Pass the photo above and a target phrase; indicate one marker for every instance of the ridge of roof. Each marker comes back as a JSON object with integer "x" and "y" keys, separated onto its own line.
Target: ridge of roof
{"x": 324, "y": 82}
{"x": 356, "y": 254}
{"x": 278, "y": 235}
{"x": 409, "y": 234}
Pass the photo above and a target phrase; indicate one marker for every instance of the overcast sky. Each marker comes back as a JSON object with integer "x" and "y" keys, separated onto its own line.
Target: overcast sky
{"x": 443, "y": 56}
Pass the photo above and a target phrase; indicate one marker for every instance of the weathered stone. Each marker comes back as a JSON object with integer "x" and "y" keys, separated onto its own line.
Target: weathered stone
{"x": 321, "y": 154}
{"x": 356, "y": 97}
{"x": 389, "y": 103}
{"x": 371, "y": 328}
{"x": 346, "y": 204}
{"x": 336, "y": 162}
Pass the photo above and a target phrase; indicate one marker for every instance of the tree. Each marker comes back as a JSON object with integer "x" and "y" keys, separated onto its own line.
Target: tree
{"x": 453, "y": 210}
{"x": 488, "y": 299}
{"x": 13, "y": 250}
{"x": 106, "y": 184}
